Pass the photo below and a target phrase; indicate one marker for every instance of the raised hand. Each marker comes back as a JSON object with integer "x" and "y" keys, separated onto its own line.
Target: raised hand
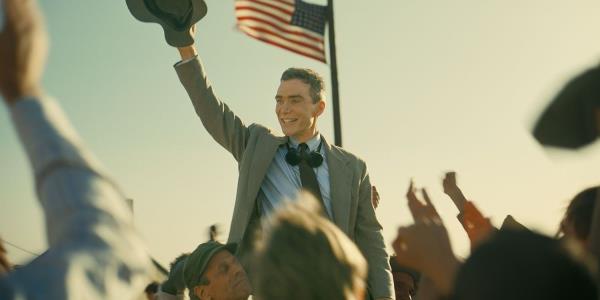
{"x": 374, "y": 196}
{"x": 426, "y": 247}
{"x": 453, "y": 191}
{"x": 422, "y": 211}
{"x": 23, "y": 50}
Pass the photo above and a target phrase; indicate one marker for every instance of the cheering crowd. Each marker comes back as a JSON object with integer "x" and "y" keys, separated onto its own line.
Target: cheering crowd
{"x": 304, "y": 224}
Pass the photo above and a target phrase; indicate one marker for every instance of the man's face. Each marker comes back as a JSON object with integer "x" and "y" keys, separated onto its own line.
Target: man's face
{"x": 227, "y": 279}
{"x": 404, "y": 285}
{"x": 296, "y": 111}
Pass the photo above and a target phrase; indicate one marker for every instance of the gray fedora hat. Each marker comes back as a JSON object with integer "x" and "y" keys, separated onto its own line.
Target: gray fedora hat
{"x": 175, "y": 16}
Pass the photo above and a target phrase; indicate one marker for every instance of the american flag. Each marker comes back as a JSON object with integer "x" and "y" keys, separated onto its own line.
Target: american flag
{"x": 293, "y": 25}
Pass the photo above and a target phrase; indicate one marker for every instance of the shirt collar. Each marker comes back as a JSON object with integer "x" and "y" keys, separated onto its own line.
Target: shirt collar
{"x": 313, "y": 143}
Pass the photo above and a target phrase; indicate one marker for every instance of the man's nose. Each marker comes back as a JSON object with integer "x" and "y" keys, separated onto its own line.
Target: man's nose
{"x": 285, "y": 107}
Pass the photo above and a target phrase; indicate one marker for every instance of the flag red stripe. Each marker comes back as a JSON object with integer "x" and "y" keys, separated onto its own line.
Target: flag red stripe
{"x": 321, "y": 59}
{"x": 278, "y": 18}
{"x": 302, "y": 34}
{"x": 301, "y": 44}
{"x": 286, "y": 11}
{"x": 270, "y": 21}
{"x": 289, "y": 3}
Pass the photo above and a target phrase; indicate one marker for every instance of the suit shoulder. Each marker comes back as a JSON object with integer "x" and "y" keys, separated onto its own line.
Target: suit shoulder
{"x": 259, "y": 129}
{"x": 349, "y": 156}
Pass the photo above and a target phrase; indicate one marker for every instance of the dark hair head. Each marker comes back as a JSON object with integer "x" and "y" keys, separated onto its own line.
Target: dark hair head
{"x": 523, "y": 265}
{"x": 152, "y": 288}
{"x": 310, "y": 77}
{"x": 580, "y": 210}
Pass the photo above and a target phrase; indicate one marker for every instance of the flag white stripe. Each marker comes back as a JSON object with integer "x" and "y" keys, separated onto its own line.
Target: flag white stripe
{"x": 278, "y": 40}
{"x": 240, "y": 13}
{"x": 295, "y": 37}
{"x": 263, "y": 10}
{"x": 284, "y": 6}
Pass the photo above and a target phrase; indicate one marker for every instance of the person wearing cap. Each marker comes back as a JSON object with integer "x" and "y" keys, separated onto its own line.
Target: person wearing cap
{"x": 173, "y": 288}
{"x": 213, "y": 272}
{"x": 275, "y": 167}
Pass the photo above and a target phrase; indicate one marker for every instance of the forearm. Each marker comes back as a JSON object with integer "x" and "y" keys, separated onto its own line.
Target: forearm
{"x": 69, "y": 180}
{"x": 48, "y": 138}
{"x": 458, "y": 198}
{"x": 220, "y": 121}
{"x": 87, "y": 218}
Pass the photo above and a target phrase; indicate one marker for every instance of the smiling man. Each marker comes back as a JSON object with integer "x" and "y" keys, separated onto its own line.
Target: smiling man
{"x": 273, "y": 168}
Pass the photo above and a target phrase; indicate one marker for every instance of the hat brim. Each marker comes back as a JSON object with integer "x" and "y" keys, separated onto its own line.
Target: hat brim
{"x": 569, "y": 121}
{"x": 174, "y": 37}
{"x": 231, "y": 248}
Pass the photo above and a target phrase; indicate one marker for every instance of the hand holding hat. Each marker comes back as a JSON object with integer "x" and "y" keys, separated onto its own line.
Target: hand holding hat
{"x": 177, "y": 17}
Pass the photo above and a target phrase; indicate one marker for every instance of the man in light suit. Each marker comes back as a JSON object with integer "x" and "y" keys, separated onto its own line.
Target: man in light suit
{"x": 266, "y": 177}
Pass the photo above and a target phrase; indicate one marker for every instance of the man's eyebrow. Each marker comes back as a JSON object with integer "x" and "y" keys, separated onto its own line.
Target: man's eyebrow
{"x": 291, "y": 96}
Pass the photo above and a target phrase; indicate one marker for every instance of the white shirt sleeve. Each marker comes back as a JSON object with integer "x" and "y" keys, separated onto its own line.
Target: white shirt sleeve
{"x": 94, "y": 251}
{"x": 181, "y": 62}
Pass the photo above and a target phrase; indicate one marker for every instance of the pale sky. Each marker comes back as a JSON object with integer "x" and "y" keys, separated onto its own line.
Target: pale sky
{"x": 426, "y": 86}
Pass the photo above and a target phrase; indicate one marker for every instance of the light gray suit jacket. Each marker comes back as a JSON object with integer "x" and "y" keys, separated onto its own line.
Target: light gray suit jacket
{"x": 254, "y": 147}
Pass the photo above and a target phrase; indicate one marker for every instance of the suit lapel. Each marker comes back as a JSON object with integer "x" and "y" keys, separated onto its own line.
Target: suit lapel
{"x": 340, "y": 186}
{"x": 264, "y": 153}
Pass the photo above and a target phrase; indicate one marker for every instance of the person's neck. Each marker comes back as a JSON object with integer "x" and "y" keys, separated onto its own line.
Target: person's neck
{"x": 305, "y": 137}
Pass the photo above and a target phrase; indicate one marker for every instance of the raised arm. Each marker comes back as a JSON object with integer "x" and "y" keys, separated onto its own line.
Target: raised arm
{"x": 94, "y": 251}
{"x": 453, "y": 191}
{"x": 220, "y": 122}
{"x": 477, "y": 226}
{"x": 425, "y": 246}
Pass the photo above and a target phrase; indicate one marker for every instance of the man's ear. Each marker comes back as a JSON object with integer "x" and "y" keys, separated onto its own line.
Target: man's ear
{"x": 200, "y": 292}
{"x": 320, "y": 108}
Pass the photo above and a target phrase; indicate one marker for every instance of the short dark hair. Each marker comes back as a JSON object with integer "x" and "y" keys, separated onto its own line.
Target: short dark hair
{"x": 308, "y": 76}
{"x": 580, "y": 211}
{"x": 151, "y": 288}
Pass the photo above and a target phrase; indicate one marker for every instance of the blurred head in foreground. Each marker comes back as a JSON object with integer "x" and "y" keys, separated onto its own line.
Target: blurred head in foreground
{"x": 302, "y": 255}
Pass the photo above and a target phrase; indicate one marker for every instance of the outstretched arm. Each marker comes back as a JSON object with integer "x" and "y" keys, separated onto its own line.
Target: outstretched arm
{"x": 425, "y": 246}
{"x": 453, "y": 191}
{"x": 94, "y": 251}
{"x": 220, "y": 122}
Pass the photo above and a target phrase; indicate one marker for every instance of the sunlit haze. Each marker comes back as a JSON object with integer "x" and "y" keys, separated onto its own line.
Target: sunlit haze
{"x": 426, "y": 87}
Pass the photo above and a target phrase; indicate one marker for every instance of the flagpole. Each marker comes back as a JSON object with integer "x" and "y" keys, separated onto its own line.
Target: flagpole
{"x": 337, "y": 124}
